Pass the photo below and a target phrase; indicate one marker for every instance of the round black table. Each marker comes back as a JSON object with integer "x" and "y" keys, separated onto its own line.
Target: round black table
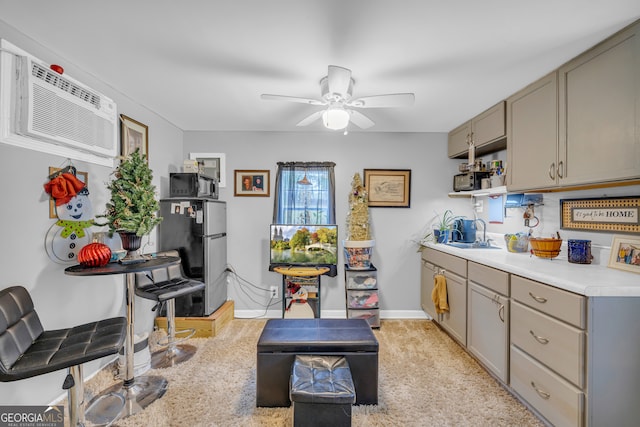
{"x": 133, "y": 394}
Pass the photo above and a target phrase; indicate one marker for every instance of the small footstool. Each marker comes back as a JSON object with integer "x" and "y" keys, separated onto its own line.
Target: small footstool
{"x": 322, "y": 391}
{"x": 284, "y": 339}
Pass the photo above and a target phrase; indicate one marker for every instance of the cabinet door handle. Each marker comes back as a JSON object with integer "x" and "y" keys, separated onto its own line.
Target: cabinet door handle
{"x": 541, "y": 300}
{"x": 561, "y": 169}
{"x": 541, "y": 340}
{"x": 501, "y": 312}
{"x": 552, "y": 168}
{"x": 542, "y": 394}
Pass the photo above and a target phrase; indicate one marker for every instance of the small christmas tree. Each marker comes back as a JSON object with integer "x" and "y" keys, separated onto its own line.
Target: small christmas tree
{"x": 133, "y": 205}
{"x": 358, "y": 216}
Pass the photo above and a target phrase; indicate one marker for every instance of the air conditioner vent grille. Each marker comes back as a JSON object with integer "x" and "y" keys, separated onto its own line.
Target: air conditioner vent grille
{"x": 55, "y": 79}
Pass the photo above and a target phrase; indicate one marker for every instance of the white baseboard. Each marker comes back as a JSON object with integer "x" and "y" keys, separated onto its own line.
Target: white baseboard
{"x": 331, "y": 314}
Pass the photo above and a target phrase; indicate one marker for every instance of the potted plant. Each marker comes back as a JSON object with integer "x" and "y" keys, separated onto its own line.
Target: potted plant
{"x": 132, "y": 210}
{"x": 358, "y": 246}
{"x": 440, "y": 229}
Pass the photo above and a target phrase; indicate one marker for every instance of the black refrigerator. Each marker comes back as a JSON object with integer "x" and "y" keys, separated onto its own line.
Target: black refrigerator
{"x": 197, "y": 229}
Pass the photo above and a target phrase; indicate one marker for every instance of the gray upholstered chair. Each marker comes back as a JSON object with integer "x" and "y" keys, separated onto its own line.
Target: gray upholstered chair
{"x": 27, "y": 350}
{"x": 164, "y": 285}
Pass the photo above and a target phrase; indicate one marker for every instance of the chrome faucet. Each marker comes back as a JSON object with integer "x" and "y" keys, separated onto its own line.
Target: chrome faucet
{"x": 484, "y": 230}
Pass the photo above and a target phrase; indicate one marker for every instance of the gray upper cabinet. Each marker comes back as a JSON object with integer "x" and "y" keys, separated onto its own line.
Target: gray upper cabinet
{"x": 599, "y": 138}
{"x": 579, "y": 125}
{"x": 532, "y": 134}
{"x": 487, "y": 131}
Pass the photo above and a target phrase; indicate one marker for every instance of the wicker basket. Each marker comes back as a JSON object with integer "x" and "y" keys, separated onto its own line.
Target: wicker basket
{"x": 545, "y": 248}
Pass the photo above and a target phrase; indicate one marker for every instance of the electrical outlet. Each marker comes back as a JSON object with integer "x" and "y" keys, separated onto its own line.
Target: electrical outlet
{"x": 274, "y": 292}
{"x": 479, "y": 206}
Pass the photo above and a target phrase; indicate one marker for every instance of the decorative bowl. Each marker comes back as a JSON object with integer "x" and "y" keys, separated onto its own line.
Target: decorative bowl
{"x": 117, "y": 255}
{"x": 545, "y": 248}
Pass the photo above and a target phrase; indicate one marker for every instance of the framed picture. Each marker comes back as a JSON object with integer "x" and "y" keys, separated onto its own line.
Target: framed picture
{"x": 625, "y": 253}
{"x": 133, "y": 135}
{"x": 604, "y": 214}
{"x": 53, "y": 172}
{"x": 388, "y": 188}
{"x": 214, "y": 165}
{"x": 251, "y": 183}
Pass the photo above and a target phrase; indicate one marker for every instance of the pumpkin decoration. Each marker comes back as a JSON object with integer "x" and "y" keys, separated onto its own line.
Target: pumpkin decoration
{"x": 94, "y": 255}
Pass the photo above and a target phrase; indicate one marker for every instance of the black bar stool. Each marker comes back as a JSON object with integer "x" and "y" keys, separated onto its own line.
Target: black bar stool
{"x": 27, "y": 350}
{"x": 164, "y": 285}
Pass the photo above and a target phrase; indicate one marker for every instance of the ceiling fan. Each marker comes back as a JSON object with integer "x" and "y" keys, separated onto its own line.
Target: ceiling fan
{"x": 336, "y": 89}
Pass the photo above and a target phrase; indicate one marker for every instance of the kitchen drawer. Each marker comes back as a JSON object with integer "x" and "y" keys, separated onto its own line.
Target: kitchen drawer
{"x": 488, "y": 277}
{"x": 559, "y": 346}
{"x": 371, "y": 316}
{"x": 555, "y": 302}
{"x": 558, "y": 401}
{"x": 362, "y": 299}
{"x": 446, "y": 261}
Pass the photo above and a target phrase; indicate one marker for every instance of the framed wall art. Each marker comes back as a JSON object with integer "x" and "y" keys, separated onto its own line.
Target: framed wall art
{"x": 625, "y": 253}
{"x": 214, "y": 165}
{"x": 53, "y": 172}
{"x": 389, "y": 188}
{"x": 133, "y": 135}
{"x": 251, "y": 183}
{"x": 605, "y": 214}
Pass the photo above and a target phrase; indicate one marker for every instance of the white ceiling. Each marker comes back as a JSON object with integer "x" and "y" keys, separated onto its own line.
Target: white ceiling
{"x": 202, "y": 64}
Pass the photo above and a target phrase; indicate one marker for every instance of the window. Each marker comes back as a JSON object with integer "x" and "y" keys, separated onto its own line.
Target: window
{"x": 305, "y": 193}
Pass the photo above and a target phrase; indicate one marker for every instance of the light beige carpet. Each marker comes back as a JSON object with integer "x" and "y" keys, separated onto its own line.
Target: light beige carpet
{"x": 425, "y": 379}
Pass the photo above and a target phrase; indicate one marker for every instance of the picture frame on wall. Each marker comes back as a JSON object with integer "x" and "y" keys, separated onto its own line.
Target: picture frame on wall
{"x": 133, "y": 135}
{"x": 251, "y": 183}
{"x": 388, "y": 188}
{"x": 625, "y": 253}
{"x": 214, "y": 165}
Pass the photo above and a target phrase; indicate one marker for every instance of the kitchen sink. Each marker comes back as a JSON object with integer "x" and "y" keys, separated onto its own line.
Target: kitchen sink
{"x": 474, "y": 245}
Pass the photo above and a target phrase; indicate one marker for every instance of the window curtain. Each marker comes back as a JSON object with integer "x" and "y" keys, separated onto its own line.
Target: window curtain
{"x": 305, "y": 193}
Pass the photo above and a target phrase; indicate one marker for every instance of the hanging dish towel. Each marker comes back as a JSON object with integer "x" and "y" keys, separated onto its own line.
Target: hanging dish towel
{"x": 439, "y": 294}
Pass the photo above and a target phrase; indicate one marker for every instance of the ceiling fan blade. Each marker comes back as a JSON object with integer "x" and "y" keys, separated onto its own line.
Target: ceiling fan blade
{"x": 384, "y": 101}
{"x": 360, "y": 120}
{"x": 308, "y": 101}
{"x": 339, "y": 80}
{"x": 310, "y": 118}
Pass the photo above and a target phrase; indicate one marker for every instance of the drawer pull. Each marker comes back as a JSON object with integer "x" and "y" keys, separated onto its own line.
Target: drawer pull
{"x": 542, "y": 394}
{"x": 538, "y": 338}
{"x": 541, "y": 300}
{"x": 501, "y": 312}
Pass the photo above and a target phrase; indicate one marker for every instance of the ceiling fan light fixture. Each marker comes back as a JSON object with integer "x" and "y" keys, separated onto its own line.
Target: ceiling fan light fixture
{"x": 335, "y": 118}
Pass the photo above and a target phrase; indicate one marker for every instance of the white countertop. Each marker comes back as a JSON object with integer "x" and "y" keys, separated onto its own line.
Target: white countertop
{"x": 592, "y": 280}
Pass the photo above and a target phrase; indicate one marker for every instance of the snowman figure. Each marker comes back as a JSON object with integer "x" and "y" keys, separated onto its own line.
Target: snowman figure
{"x": 71, "y": 232}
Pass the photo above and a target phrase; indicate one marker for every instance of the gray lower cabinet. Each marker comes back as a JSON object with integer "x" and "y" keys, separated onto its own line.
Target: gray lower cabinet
{"x": 548, "y": 343}
{"x": 574, "y": 359}
{"x": 488, "y": 318}
{"x": 455, "y": 271}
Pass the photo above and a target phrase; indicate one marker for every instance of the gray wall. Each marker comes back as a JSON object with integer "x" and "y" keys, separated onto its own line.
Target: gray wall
{"x": 61, "y": 300}
{"x": 395, "y": 229}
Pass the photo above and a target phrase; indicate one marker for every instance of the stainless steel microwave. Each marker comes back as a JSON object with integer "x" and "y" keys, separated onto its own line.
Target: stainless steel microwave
{"x": 186, "y": 184}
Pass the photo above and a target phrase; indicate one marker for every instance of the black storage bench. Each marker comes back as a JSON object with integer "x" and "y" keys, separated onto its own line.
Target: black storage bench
{"x": 282, "y": 339}
{"x": 322, "y": 391}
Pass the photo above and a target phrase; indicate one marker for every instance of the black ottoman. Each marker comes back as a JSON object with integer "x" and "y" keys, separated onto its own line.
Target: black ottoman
{"x": 282, "y": 339}
{"x": 322, "y": 391}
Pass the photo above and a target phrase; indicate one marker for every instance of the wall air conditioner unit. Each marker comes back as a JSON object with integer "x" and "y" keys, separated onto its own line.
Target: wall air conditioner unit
{"x": 52, "y": 112}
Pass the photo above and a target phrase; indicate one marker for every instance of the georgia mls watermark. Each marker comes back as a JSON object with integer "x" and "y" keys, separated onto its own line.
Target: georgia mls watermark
{"x": 32, "y": 416}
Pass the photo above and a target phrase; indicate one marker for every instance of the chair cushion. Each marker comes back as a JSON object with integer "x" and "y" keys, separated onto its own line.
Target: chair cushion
{"x": 168, "y": 289}
{"x": 162, "y": 284}
{"x": 49, "y": 351}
